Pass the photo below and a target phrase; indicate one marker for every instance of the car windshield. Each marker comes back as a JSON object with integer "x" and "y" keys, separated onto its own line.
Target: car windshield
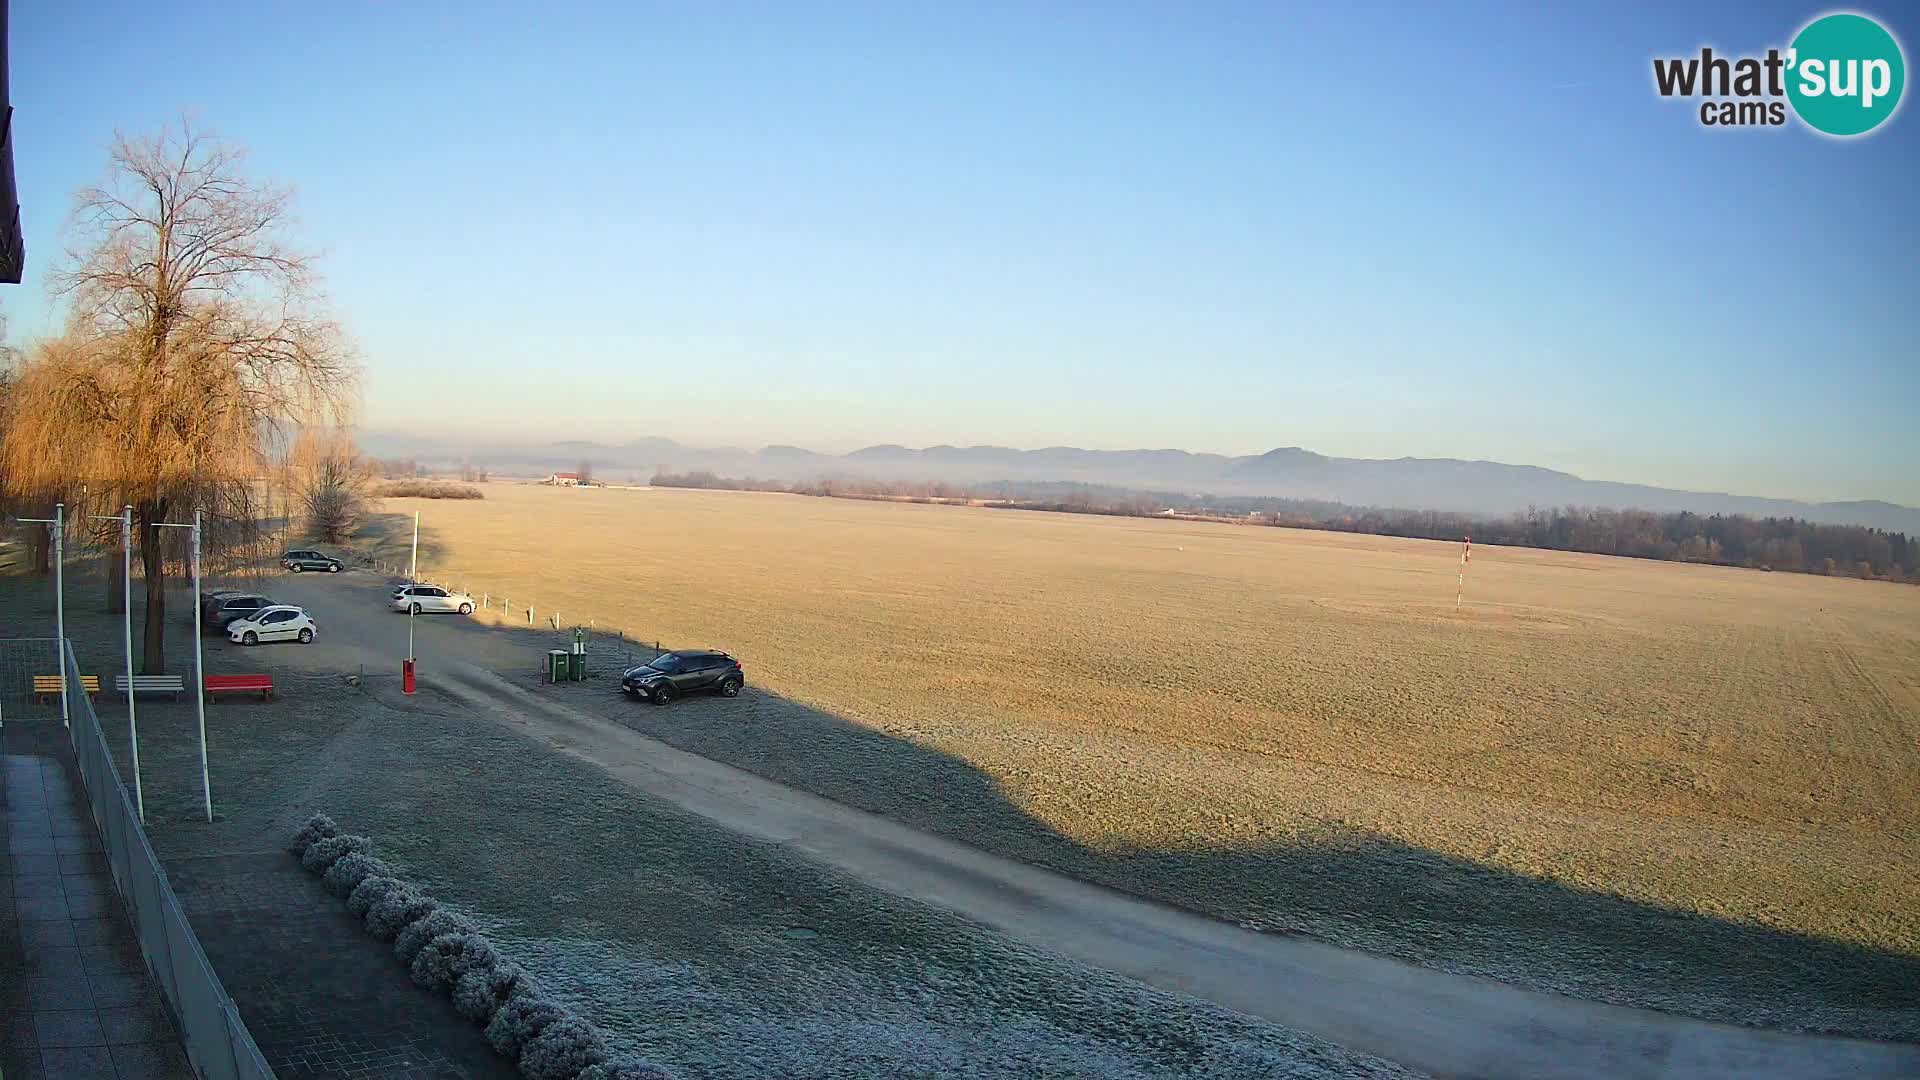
{"x": 668, "y": 663}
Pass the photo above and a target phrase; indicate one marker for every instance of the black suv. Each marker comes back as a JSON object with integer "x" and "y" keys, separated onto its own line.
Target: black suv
{"x": 224, "y": 607}
{"x": 671, "y": 674}
{"x": 308, "y": 559}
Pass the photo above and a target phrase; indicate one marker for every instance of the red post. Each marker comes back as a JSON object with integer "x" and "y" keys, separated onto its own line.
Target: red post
{"x": 406, "y": 676}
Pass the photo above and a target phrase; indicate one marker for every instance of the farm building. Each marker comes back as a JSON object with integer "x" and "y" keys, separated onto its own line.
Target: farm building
{"x": 563, "y": 479}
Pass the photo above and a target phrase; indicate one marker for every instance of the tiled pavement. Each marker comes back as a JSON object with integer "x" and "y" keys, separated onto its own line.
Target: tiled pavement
{"x": 321, "y": 997}
{"x": 76, "y": 1002}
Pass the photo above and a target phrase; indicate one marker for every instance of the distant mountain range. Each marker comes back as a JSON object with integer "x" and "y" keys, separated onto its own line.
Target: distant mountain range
{"x": 1472, "y": 487}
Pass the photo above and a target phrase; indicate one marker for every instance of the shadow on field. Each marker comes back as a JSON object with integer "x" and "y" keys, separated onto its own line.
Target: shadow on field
{"x": 1351, "y": 887}
{"x": 1345, "y": 886}
{"x": 388, "y": 538}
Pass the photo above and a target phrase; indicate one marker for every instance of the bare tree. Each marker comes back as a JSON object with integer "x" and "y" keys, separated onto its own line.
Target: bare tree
{"x": 195, "y": 336}
{"x": 584, "y": 473}
{"x": 331, "y": 481}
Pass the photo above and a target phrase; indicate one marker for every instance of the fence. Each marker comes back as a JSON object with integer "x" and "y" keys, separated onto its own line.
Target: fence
{"x": 500, "y": 606}
{"x": 217, "y": 1042}
{"x": 20, "y": 660}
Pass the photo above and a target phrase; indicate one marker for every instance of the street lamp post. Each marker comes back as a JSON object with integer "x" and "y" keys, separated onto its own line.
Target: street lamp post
{"x": 125, "y": 518}
{"x": 59, "y": 523}
{"x": 199, "y": 672}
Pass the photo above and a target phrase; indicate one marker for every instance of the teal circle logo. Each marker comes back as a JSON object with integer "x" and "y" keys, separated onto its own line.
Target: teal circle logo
{"x": 1845, "y": 74}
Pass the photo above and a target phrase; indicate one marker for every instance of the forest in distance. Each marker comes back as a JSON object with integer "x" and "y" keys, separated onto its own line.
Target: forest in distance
{"x": 1773, "y": 543}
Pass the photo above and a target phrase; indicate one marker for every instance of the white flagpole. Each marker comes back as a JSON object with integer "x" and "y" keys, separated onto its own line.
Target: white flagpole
{"x": 1466, "y": 552}
{"x": 199, "y": 666}
{"x": 59, "y": 523}
{"x": 126, "y": 600}
{"x": 199, "y": 673}
{"x": 60, "y": 602}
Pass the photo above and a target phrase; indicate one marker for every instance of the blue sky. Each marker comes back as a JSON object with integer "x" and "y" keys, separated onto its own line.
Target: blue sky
{"x": 1370, "y": 230}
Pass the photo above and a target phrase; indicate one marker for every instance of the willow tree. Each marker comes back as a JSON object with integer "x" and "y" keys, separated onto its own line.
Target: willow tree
{"x": 196, "y": 336}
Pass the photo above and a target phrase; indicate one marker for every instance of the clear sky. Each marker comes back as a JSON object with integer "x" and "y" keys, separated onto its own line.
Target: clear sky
{"x": 1429, "y": 230}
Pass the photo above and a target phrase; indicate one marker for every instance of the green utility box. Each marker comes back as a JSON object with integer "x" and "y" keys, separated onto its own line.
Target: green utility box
{"x": 577, "y": 666}
{"x": 557, "y": 666}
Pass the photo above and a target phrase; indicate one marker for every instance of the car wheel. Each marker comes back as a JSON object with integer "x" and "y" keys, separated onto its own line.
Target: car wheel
{"x": 662, "y": 694}
{"x": 466, "y": 609}
{"x": 306, "y": 637}
{"x": 295, "y": 568}
{"x": 730, "y": 686}
{"x": 333, "y": 568}
{"x": 250, "y": 638}
{"x": 416, "y": 609}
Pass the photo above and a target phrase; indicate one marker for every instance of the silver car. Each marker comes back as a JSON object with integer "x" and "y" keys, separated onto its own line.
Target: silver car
{"x": 420, "y": 599}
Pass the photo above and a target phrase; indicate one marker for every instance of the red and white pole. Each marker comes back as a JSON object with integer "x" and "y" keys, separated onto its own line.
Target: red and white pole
{"x": 1466, "y": 555}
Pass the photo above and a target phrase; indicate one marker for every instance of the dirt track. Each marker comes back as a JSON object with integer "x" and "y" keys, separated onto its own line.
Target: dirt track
{"x": 1446, "y": 1024}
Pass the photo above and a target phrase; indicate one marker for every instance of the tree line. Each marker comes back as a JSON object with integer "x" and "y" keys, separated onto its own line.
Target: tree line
{"x": 1774, "y": 543}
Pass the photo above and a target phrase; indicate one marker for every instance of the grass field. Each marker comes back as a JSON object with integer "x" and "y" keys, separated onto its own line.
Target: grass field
{"x": 1682, "y": 786}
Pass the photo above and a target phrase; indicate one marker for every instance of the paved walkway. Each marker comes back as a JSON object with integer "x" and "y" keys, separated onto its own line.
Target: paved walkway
{"x": 76, "y": 1002}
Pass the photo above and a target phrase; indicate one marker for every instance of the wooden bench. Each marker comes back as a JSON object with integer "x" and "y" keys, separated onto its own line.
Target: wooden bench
{"x": 152, "y": 684}
{"x": 48, "y": 687}
{"x": 231, "y": 684}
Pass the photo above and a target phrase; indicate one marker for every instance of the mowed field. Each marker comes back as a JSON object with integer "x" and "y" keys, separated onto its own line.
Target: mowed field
{"x": 1686, "y": 787}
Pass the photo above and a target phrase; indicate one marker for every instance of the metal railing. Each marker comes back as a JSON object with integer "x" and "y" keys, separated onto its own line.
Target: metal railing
{"x": 217, "y": 1042}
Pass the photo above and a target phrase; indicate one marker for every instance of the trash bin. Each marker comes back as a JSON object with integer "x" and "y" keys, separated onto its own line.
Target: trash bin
{"x": 556, "y": 665}
{"x": 577, "y": 666}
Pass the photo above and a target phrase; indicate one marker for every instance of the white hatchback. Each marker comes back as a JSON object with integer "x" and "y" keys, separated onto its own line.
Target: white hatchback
{"x": 423, "y": 598}
{"x": 279, "y": 623}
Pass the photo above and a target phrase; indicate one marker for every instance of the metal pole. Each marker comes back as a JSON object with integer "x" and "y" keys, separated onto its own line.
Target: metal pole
{"x": 1461, "y": 593}
{"x": 60, "y": 603}
{"x": 414, "y": 566}
{"x": 126, "y": 599}
{"x": 199, "y": 673}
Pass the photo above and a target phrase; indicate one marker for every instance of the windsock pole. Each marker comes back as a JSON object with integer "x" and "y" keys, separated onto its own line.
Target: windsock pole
{"x": 1466, "y": 556}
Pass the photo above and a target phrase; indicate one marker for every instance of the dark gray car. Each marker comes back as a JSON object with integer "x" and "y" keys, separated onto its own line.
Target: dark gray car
{"x": 308, "y": 559}
{"x": 669, "y": 675}
{"x": 223, "y": 608}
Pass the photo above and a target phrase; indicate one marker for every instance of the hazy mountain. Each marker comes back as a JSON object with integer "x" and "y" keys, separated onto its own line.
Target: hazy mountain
{"x": 1477, "y": 487}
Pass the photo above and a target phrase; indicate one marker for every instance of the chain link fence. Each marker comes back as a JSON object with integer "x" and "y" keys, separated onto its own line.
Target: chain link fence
{"x": 217, "y": 1042}
{"x": 20, "y": 660}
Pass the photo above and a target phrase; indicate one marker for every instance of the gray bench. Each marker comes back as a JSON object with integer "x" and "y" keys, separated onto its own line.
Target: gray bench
{"x": 152, "y": 684}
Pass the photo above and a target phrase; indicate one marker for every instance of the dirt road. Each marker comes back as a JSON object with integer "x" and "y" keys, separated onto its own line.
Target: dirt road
{"x": 1445, "y": 1024}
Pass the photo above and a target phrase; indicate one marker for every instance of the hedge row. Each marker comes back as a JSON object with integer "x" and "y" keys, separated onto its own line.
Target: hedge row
{"x": 443, "y": 951}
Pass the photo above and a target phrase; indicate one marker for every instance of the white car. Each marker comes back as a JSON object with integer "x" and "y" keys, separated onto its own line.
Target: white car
{"x": 419, "y": 599}
{"x": 278, "y": 623}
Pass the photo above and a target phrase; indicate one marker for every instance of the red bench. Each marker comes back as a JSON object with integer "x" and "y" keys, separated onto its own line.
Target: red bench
{"x": 228, "y": 684}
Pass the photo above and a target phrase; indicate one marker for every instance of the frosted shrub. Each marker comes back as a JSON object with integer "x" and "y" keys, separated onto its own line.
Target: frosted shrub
{"x": 625, "y": 1069}
{"x": 371, "y": 888}
{"x": 479, "y": 993}
{"x": 432, "y": 966}
{"x": 562, "y": 1049}
{"x": 518, "y": 1021}
{"x": 398, "y": 909}
{"x": 476, "y": 954}
{"x": 416, "y": 935}
{"x": 318, "y": 827}
{"x": 324, "y": 853}
{"x": 349, "y": 870}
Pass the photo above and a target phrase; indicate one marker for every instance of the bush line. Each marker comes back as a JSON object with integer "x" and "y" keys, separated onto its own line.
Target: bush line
{"x": 443, "y": 951}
